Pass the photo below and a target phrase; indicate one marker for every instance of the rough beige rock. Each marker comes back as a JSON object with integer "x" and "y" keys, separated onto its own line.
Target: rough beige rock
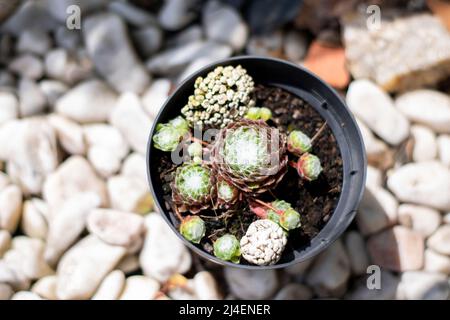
{"x": 69, "y": 133}
{"x": 139, "y": 288}
{"x": 4, "y": 181}
{"x": 5, "y": 241}
{"x": 84, "y": 266}
{"x": 46, "y": 287}
{"x": 419, "y": 285}
{"x": 435, "y": 262}
{"x": 14, "y": 278}
{"x": 440, "y": 240}
{"x": 111, "y": 287}
{"x": 31, "y": 152}
{"x": 160, "y": 239}
{"x": 443, "y": 142}
{"x": 73, "y": 176}
{"x": 67, "y": 223}
{"x": 155, "y": 96}
{"x": 374, "y": 177}
{"x": 428, "y": 107}
{"x": 25, "y": 295}
{"x": 10, "y": 107}
{"x": 34, "y": 223}
{"x": 329, "y": 274}
{"x": 116, "y": 227}
{"x": 129, "y": 117}
{"x": 129, "y": 264}
{"x": 5, "y": 291}
{"x": 397, "y": 249}
{"x": 127, "y": 193}
{"x": 422, "y": 219}
{"x": 397, "y": 59}
{"x": 27, "y": 66}
{"x": 134, "y": 166}
{"x": 425, "y": 146}
{"x": 10, "y": 208}
{"x": 423, "y": 183}
{"x": 377, "y": 211}
{"x": 205, "y": 286}
{"x": 89, "y": 101}
{"x": 26, "y": 257}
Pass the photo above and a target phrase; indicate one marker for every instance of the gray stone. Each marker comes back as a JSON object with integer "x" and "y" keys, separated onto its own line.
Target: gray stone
{"x": 58, "y": 8}
{"x": 34, "y": 41}
{"x": 132, "y": 14}
{"x": 155, "y": 96}
{"x": 110, "y": 49}
{"x": 265, "y": 45}
{"x": 27, "y": 66}
{"x": 389, "y": 284}
{"x": 173, "y": 60}
{"x": 193, "y": 33}
{"x": 251, "y": 284}
{"x": 68, "y": 39}
{"x": 377, "y": 211}
{"x": 32, "y": 99}
{"x": 222, "y": 23}
{"x": 175, "y": 14}
{"x": 357, "y": 252}
{"x": 329, "y": 274}
{"x": 148, "y": 40}
{"x": 67, "y": 67}
{"x": 295, "y": 45}
{"x": 205, "y": 286}
{"x": 53, "y": 90}
{"x": 139, "y": 288}
{"x": 294, "y": 291}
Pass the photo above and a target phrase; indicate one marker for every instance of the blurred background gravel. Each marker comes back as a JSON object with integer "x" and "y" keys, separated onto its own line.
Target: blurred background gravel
{"x": 76, "y": 107}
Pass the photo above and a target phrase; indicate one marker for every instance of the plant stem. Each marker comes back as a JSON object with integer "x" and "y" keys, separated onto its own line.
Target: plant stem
{"x": 177, "y": 213}
{"x": 318, "y": 133}
{"x": 279, "y": 212}
{"x": 194, "y": 139}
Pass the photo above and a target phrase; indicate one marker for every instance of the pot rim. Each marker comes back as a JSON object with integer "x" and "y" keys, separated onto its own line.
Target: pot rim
{"x": 325, "y": 242}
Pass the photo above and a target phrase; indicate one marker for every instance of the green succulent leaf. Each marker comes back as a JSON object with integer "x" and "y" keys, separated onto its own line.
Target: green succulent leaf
{"x": 167, "y": 137}
{"x": 227, "y": 248}
{"x": 287, "y": 217}
{"x": 253, "y": 113}
{"x": 245, "y": 151}
{"x": 309, "y": 167}
{"x": 180, "y": 123}
{"x": 195, "y": 149}
{"x": 265, "y": 114}
{"x": 193, "y": 181}
{"x": 226, "y": 191}
{"x": 193, "y": 228}
{"x": 298, "y": 142}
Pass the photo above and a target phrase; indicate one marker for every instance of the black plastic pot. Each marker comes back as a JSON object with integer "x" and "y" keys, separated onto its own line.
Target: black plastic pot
{"x": 326, "y": 101}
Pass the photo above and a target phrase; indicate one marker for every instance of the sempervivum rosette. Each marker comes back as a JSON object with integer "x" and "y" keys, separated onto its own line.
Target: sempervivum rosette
{"x": 250, "y": 155}
{"x": 192, "y": 188}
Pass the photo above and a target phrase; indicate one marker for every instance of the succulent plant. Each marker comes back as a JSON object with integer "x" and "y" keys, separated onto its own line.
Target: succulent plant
{"x": 193, "y": 228}
{"x": 192, "y": 187}
{"x": 220, "y": 98}
{"x": 250, "y": 155}
{"x": 282, "y": 213}
{"x": 309, "y": 167}
{"x": 195, "y": 149}
{"x": 227, "y": 194}
{"x": 168, "y": 135}
{"x": 298, "y": 143}
{"x": 263, "y": 243}
{"x": 255, "y": 113}
{"x": 227, "y": 248}
{"x": 286, "y": 217}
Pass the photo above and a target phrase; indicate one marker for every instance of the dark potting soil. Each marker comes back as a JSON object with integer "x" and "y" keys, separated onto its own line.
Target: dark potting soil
{"x": 315, "y": 201}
